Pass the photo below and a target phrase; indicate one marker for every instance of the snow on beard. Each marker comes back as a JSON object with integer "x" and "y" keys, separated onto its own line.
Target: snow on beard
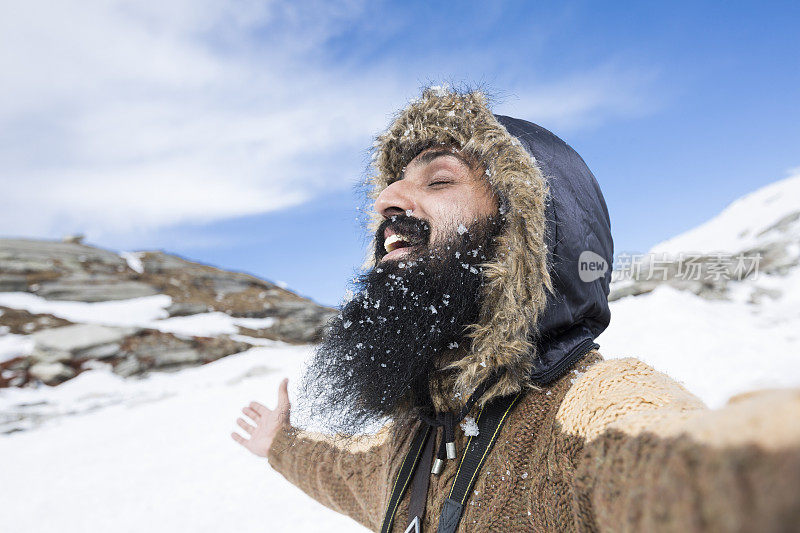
{"x": 379, "y": 352}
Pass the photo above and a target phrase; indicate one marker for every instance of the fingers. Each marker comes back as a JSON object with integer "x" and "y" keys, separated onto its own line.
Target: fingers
{"x": 238, "y": 438}
{"x": 245, "y": 426}
{"x": 251, "y": 413}
{"x": 260, "y": 409}
{"x": 256, "y": 410}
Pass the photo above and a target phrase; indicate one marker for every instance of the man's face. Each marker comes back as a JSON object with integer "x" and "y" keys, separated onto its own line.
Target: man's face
{"x": 409, "y": 313}
{"x": 439, "y": 187}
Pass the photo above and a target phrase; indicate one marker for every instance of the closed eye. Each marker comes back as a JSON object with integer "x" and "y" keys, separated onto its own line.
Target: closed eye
{"x": 439, "y": 183}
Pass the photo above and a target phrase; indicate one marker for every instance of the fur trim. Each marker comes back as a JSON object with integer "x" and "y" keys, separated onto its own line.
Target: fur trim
{"x": 517, "y": 280}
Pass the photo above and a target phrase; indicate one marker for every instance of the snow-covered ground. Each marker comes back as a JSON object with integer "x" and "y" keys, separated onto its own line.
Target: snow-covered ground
{"x": 715, "y": 348}
{"x": 158, "y": 457}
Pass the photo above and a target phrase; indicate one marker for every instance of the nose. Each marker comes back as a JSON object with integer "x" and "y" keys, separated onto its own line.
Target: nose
{"x": 396, "y": 199}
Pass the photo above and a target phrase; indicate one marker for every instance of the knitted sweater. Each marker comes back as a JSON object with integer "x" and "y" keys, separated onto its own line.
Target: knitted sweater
{"x": 610, "y": 446}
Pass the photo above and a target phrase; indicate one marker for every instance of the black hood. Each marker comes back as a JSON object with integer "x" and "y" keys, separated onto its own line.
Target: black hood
{"x": 577, "y": 221}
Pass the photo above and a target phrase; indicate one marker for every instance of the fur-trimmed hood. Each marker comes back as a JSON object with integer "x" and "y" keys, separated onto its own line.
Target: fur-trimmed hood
{"x": 538, "y": 316}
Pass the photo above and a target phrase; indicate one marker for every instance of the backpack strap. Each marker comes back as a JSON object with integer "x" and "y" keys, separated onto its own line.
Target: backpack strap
{"x": 404, "y": 475}
{"x": 490, "y": 420}
{"x": 419, "y": 486}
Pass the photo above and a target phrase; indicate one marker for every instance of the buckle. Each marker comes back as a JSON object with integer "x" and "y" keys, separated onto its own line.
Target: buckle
{"x": 414, "y": 526}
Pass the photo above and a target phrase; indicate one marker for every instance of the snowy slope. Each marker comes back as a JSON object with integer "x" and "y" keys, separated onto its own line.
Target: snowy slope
{"x": 716, "y": 348}
{"x": 155, "y": 454}
{"x": 100, "y": 452}
{"x": 160, "y": 459}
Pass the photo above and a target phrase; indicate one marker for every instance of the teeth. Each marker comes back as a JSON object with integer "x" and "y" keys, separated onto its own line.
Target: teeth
{"x": 392, "y": 243}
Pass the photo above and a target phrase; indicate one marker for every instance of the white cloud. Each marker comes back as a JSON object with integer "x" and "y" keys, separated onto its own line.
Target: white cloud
{"x": 119, "y": 117}
{"x": 585, "y": 99}
{"x": 125, "y": 117}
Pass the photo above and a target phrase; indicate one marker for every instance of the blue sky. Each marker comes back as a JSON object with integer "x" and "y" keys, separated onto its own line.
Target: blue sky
{"x": 235, "y": 132}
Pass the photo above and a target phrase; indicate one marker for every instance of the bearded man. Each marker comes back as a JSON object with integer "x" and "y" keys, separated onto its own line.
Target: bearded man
{"x": 471, "y": 338}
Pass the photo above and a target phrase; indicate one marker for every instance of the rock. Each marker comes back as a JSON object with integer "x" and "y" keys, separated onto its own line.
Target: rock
{"x": 629, "y": 288}
{"x": 161, "y": 263}
{"x": 186, "y": 308}
{"x": 13, "y": 283}
{"x": 224, "y": 285}
{"x": 130, "y": 366}
{"x": 707, "y": 276}
{"x": 22, "y": 322}
{"x": 186, "y": 357}
{"x": 51, "y": 373}
{"x": 102, "y": 351}
{"x": 156, "y": 350}
{"x": 93, "y": 289}
{"x": 74, "y": 239}
{"x": 302, "y": 326}
{"x": 65, "y": 343}
{"x": 28, "y": 256}
{"x": 214, "y": 348}
{"x": 208, "y": 288}
{"x": 73, "y": 271}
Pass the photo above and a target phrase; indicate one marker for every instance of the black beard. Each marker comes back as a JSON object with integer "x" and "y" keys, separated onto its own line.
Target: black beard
{"x": 380, "y": 352}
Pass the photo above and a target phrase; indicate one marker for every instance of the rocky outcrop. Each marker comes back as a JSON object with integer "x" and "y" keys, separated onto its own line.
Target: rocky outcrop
{"x": 707, "y": 276}
{"x": 155, "y": 350}
{"x": 194, "y": 286}
{"x": 710, "y": 276}
{"x": 79, "y": 341}
{"x": 64, "y": 352}
{"x": 76, "y": 272}
{"x": 93, "y": 288}
{"x": 38, "y": 260}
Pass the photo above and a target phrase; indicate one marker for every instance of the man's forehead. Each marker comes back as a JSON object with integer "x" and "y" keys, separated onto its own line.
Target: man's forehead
{"x": 429, "y": 155}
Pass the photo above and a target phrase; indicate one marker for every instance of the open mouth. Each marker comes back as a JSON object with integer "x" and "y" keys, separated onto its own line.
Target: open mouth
{"x": 399, "y": 236}
{"x": 398, "y": 243}
{"x": 395, "y": 242}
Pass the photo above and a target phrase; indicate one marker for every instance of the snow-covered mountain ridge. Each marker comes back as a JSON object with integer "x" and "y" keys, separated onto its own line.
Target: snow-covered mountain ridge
{"x": 765, "y": 217}
{"x": 756, "y": 236}
{"x": 718, "y": 330}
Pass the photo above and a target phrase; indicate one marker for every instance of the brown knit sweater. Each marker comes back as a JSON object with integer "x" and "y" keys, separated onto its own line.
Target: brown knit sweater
{"x": 611, "y": 446}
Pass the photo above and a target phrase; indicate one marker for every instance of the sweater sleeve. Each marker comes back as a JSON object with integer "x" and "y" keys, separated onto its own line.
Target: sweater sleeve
{"x": 349, "y": 475}
{"x": 656, "y": 459}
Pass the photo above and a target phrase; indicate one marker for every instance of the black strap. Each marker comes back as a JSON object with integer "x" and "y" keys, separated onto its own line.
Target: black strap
{"x": 404, "y": 475}
{"x": 490, "y": 420}
{"x": 419, "y": 484}
{"x": 448, "y": 421}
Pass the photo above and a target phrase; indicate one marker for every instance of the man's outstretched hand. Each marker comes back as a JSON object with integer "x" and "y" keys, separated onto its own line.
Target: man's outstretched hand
{"x": 267, "y": 422}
